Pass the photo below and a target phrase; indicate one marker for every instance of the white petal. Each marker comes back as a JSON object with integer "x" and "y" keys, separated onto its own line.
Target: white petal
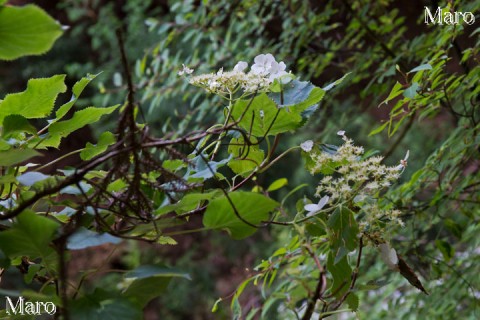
{"x": 311, "y": 207}
{"x": 323, "y": 202}
{"x": 240, "y": 66}
{"x": 260, "y": 59}
{"x": 307, "y": 145}
{"x": 407, "y": 155}
{"x": 269, "y": 58}
{"x": 341, "y": 132}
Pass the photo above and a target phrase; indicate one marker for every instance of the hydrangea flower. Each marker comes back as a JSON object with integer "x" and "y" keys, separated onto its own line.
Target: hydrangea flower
{"x": 225, "y": 83}
{"x": 358, "y": 179}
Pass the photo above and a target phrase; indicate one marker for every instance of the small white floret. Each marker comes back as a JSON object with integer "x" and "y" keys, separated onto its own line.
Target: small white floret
{"x": 307, "y": 145}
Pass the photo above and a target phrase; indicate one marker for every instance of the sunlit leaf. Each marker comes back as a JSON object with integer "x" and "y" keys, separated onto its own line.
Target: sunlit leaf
{"x": 26, "y": 30}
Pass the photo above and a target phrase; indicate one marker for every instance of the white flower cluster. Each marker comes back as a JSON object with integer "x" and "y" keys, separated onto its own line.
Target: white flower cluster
{"x": 262, "y": 73}
{"x": 356, "y": 179}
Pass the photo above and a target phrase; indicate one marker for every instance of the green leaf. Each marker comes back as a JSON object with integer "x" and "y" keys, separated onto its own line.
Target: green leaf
{"x": 247, "y": 158}
{"x": 425, "y": 66}
{"x": 14, "y": 156}
{"x": 26, "y": 30}
{"x": 148, "y": 282}
{"x": 343, "y": 231}
{"x": 188, "y": 202}
{"x": 104, "y": 305}
{"x": 15, "y": 123}
{"x": 378, "y": 129}
{"x": 76, "y": 91}
{"x": 252, "y": 207}
{"x": 80, "y": 119}
{"x": 106, "y": 139}
{"x": 446, "y": 249}
{"x": 411, "y": 92}
{"x": 30, "y": 236}
{"x": 336, "y": 82}
{"x": 341, "y": 273}
{"x": 277, "y": 184}
{"x": 204, "y": 169}
{"x": 301, "y": 94}
{"x": 262, "y": 116}
{"x": 352, "y": 301}
{"x": 84, "y": 238}
{"x": 396, "y": 91}
{"x": 36, "y": 101}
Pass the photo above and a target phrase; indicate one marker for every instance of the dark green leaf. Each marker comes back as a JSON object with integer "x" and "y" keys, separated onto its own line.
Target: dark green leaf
{"x": 149, "y": 282}
{"x": 446, "y": 249}
{"x": 343, "y": 232}
{"x": 341, "y": 273}
{"x": 252, "y": 207}
{"x": 352, "y": 301}
{"x": 15, "y": 123}
{"x": 30, "y": 236}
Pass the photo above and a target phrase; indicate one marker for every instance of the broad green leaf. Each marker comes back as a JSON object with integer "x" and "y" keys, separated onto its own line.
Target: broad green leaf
{"x": 246, "y": 158}
{"x": 188, "y": 202}
{"x": 15, "y": 123}
{"x": 36, "y": 101}
{"x": 343, "y": 232}
{"x": 148, "y": 282}
{"x": 106, "y": 139}
{"x": 15, "y": 156}
{"x": 26, "y": 30}
{"x": 262, "y": 117}
{"x": 80, "y": 119}
{"x": 341, "y": 273}
{"x": 30, "y": 236}
{"x": 76, "y": 91}
{"x": 84, "y": 238}
{"x": 104, "y": 305}
{"x": 252, "y": 207}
